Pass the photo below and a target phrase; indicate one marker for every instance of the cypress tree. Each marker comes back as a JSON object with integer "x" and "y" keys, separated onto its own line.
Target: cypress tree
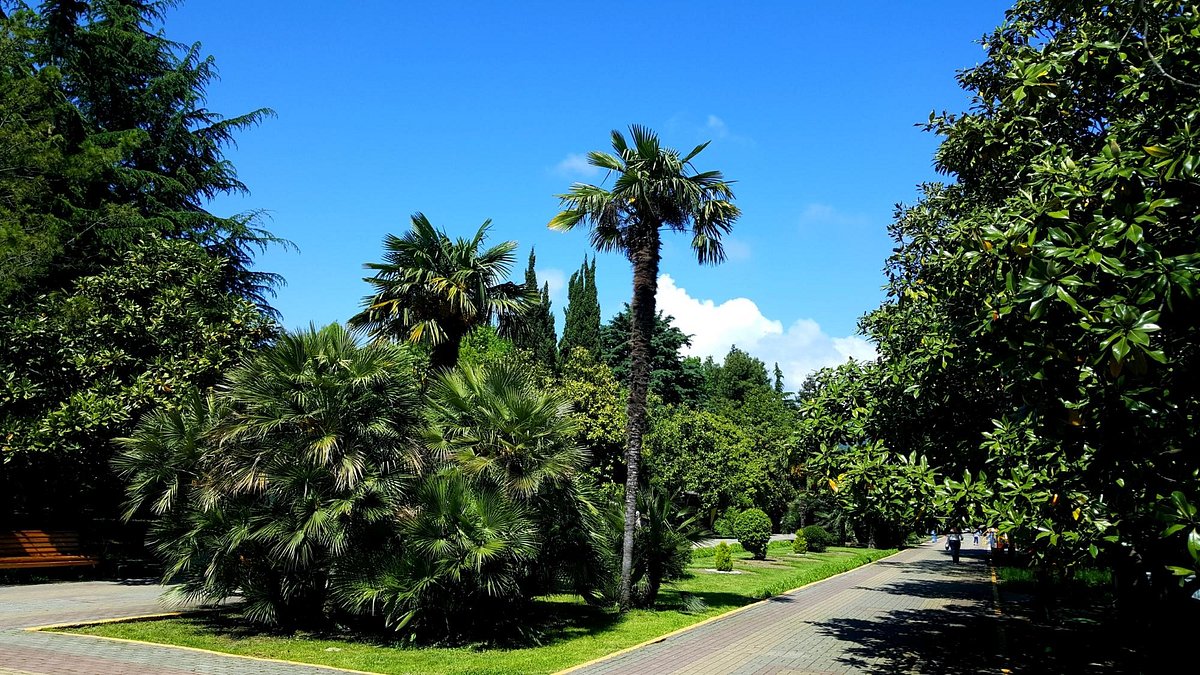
{"x": 582, "y": 325}
{"x": 534, "y": 330}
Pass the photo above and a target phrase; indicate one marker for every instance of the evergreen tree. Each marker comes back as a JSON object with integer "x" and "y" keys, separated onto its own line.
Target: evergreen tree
{"x": 672, "y": 378}
{"x": 533, "y": 330}
{"x": 582, "y": 325}
{"x": 119, "y": 289}
{"x": 778, "y": 379}
{"x": 741, "y": 375}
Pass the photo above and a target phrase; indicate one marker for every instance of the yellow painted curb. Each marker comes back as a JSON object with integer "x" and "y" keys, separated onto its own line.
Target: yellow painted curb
{"x": 100, "y": 622}
{"x": 164, "y": 615}
{"x": 679, "y": 631}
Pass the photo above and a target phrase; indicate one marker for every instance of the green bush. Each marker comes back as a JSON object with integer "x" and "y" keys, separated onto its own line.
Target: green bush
{"x": 723, "y": 527}
{"x": 753, "y": 530}
{"x": 818, "y": 538}
{"x": 800, "y": 543}
{"x": 723, "y": 558}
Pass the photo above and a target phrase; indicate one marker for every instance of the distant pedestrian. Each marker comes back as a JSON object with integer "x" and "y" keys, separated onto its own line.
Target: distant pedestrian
{"x": 976, "y": 533}
{"x": 933, "y": 535}
{"x": 992, "y": 538}
{"x": 954, "y": 541}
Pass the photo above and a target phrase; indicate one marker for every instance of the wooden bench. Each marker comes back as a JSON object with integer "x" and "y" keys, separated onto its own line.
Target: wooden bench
{"x": 32, "y": 549}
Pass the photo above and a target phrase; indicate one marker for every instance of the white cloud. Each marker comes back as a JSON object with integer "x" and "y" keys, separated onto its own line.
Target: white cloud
{"x": 825, "y": 214}
{"x": 556, "y": 279}
{"x": 576, "y": 165}
{"x": 800, "y": 349}
{"x": 717, "y": 127}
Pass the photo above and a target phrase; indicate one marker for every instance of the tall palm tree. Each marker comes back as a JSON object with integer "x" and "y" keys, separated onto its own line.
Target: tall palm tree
{"x": 656, "y": 188}
{"x": 433, "y": 290}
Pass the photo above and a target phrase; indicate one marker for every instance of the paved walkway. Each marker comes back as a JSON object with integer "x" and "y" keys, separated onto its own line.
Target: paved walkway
{"x": 23, "y": 652}
{"x": 916, "y": 612}
{"x": 709, "y": 543}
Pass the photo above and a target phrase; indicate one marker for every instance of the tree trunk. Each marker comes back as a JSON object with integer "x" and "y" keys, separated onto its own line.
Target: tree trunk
{"x": 645, "y": 286}
{"x": 444, "y": 356}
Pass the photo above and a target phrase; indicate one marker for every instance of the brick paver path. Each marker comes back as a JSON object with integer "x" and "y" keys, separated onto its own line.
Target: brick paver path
{"x": 23, "y": 652}
{"x": 916, "y": 612}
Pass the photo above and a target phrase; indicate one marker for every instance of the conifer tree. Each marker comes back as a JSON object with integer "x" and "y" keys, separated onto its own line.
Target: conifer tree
{"x": 582, "y": 325}
{"x": 534, "y": 330}
{"x": 120, "y": 289}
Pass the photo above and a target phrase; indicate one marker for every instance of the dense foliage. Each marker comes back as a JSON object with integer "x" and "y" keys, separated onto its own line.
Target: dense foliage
{"x": 752, "y": 528}
{"x": 672, "y": 379}
{"x": 800, "y": 543}
{"x": 318, "y": 482}
{"x": 723, "y": 558}
{"x": 431, "y": 290}
{"x": 581, "y": 323}
{"x": 119, "y": 289}
{"x": 1038, "y": 344}
{"x": 533, "y": 330}
{"x": 817, "y": 538}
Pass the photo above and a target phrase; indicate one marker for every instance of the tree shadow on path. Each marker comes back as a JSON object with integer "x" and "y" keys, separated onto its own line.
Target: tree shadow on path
{"x": 961, "y": 638}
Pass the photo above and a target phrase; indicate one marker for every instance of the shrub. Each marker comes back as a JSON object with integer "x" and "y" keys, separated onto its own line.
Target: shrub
{"x": 753, "y": 530}
{"x": 723, "y": 558}
{"x": 723, "y": 527}
{"x": 818, "y": 538}
{"x": 800, "y": 543}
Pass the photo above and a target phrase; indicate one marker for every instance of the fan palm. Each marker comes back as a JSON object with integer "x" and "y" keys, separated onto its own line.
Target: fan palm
{"x": 159, "y": 460}
{"x": 433, "y": 290}
{"x": 664, "y": 541}
{"x": 459, "y": 574}
{"x": 656, "y": 188}
{"x": 311, "y": 457}
{"x": 499, "y": 425}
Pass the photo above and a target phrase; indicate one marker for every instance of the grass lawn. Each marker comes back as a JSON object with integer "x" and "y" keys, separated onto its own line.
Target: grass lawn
{"x": 576, "y": 633}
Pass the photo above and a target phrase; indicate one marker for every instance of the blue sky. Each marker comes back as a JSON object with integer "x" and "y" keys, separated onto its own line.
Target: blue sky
{"x": 473, "y": 110}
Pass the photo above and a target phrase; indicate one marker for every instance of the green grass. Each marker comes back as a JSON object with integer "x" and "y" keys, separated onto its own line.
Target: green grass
{"x": 575, "y": 632}
{"x": 1090, "y": 578}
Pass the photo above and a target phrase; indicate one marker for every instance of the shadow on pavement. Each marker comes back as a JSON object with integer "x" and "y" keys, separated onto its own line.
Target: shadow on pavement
{"x": 947, "y": 641}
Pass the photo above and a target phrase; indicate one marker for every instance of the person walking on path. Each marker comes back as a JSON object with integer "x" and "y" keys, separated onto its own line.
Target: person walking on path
{"x": 954, "y": 539}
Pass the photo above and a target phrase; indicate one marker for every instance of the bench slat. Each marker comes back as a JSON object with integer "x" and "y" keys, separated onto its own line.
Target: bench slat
{"x": 37, "y": 548}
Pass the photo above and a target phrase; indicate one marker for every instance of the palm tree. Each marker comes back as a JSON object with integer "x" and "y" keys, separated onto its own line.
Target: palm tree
{"x": 433, "y": 290}
{"x": 500, "y": 425}
{"x": 458, "y": 575}
{"x": 655, "y": 188}
{"x": 309, "y": 450}
{"x": 502, "y": 428}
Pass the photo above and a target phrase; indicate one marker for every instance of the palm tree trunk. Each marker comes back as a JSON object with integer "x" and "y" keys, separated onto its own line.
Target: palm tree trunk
{"x": 444, "y": 356}
{"x": 645, "y": 288}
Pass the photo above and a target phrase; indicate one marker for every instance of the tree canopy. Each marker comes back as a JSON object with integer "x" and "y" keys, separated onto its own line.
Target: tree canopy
{"x": 432, "y": 290}
{"x": 1037, "y": 344}
{"x": 119, "y": 288}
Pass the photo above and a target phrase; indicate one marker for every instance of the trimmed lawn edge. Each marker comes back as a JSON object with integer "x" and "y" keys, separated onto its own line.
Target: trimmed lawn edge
{"x": 66, "y": 629}
{"x": 59, "y": 629}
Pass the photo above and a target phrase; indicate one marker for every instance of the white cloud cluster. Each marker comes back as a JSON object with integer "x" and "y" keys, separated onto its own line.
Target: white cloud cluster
{"x": 799, "y": 349}
{"x": 576, "y": 165}
{"x": 825, "y": 214}
{"x": 717, "y": 127}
